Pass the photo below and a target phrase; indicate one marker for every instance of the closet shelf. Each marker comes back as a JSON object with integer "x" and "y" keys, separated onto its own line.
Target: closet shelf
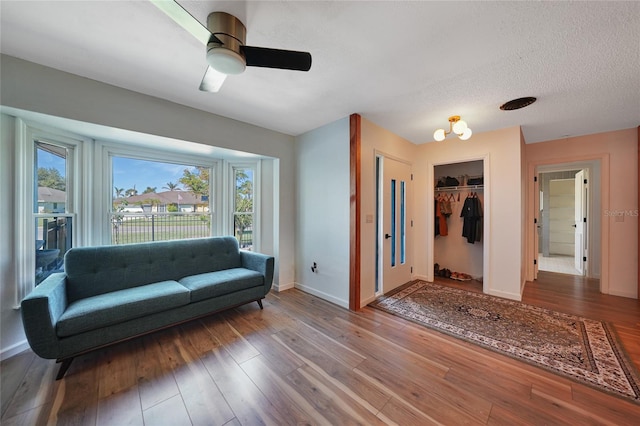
{"x": 458, "y": 188}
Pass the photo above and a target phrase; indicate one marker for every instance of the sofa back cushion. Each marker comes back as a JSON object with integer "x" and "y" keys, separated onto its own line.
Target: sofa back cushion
{"x": 97, "y": 270}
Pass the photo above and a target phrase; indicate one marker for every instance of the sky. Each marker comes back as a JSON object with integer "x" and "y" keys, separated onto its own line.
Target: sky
{"x": 47, "y": 160}
{"x": 128, "y": 172}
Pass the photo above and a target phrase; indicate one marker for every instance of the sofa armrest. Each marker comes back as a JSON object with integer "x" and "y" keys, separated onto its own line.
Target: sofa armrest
{"x": 261, "y": 263}
{"x": 40, "y": 312}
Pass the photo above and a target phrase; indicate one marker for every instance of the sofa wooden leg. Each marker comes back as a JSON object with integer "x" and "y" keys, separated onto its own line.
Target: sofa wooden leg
{"x": 64, "y": 366}
{"x": 259, "y": 303}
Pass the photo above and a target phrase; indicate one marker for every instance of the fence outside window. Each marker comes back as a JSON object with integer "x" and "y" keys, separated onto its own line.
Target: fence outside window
{"x": 127, "y": 228}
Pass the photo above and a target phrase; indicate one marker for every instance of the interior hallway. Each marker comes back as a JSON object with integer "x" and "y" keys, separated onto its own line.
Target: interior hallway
{"x": 557, "y": 263}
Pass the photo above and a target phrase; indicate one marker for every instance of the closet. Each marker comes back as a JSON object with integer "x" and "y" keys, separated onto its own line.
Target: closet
{"x": 458, "y": 221}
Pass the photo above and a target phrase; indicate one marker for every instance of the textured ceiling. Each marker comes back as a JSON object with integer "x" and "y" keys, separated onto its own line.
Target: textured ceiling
{"x": 406, "y": 66}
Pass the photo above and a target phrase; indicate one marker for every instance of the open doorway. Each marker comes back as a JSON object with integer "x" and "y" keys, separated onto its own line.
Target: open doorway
{"x": 459, "y": 201}
{"x": 568, "y": 227}
{"x": 562, "y": 230}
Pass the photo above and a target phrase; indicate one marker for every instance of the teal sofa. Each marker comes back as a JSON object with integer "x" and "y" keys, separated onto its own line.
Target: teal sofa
{"x": 108, "y": 294}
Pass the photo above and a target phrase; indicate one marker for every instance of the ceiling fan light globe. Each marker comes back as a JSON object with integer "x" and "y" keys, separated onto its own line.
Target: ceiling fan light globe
{"x": 459, "y": 127}
{"x": 466, "y": 134}
{"x": 439, "y": 135}
{"x": 225, "y": 61}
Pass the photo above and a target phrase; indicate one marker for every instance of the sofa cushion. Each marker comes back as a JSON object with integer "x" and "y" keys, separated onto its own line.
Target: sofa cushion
{"x": 118, "y": 306}
{"x": 213, "y": 284}
{"x": 103, "y": 269}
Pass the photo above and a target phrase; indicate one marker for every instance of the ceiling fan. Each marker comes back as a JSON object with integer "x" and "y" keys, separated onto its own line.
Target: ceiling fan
{"x": 227, "y": 54}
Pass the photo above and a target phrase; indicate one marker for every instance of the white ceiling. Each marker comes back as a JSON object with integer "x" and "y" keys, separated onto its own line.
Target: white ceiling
{"x": 406, "y": 66}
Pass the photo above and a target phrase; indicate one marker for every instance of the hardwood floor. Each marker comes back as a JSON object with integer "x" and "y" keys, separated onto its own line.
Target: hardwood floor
{"x": 302, "y": 360}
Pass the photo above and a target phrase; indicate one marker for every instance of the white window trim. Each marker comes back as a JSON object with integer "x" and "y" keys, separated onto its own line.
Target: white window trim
{"x": 25, "y": 135}
{"x": 104, "y": 153}
{"x": 230, "y": 196}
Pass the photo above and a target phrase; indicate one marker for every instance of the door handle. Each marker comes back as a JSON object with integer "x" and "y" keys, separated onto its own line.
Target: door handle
{"x": 574, "y": 225}
{"x": 387, "y": 236}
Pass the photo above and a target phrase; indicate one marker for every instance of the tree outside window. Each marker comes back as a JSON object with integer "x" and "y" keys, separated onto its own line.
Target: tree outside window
{"x": 243, "y": 216}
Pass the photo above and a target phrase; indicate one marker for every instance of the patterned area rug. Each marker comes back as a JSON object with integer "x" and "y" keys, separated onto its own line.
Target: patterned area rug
{"x": 579, "y": 348}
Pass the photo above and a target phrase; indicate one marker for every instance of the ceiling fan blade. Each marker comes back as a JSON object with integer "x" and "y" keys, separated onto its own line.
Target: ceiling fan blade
{"x": 212, "y": 80}
{"x": 276, "y": 58}
{"x": 183, "y": 18}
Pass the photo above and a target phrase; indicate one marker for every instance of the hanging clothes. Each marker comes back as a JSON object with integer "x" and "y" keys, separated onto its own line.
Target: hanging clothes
{"x": 472, "y": 215}
{"x": 437, "y": 219}
{"x": 441, "y": 219}
{"x": 479, "y": 222}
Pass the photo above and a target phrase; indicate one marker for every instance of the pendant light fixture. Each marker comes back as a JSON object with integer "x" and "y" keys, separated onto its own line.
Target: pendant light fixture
{"x": 457, "y": 126}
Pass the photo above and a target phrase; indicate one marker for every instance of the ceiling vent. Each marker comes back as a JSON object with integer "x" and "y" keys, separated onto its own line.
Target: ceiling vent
{"x": 517, "y": 103}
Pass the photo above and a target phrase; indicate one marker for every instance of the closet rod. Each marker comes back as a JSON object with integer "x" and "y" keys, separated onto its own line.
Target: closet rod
{"x": 458, "y": 188}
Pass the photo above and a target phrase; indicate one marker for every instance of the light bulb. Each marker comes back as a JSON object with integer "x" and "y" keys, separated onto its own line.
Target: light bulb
{"x": 459, "y": 127}
{"x": 224, "y": 60}
{"x": 466, "y": 134}
{"x": 439, "y": 135}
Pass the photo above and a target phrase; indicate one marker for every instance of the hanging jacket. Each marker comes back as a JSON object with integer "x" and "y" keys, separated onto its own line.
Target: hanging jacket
{"x": 471, "y": 213}
{"x": 441, "y": 219}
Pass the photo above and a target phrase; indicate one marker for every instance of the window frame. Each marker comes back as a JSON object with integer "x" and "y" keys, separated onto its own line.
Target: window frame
{"x": 255, "y": 166}
{"x": 26, "y": 135}
{"x": 105, "y": 151}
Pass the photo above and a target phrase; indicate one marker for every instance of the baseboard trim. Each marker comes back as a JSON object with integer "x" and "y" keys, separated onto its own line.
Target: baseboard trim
{"x": 366, "y": 301}
{"x": 14, "y": 349}
{"x": 623, "y": 294}
{"x": 322, "y": 295}
{"x": 506, "y": 295}
{"x": 283, "y": 287}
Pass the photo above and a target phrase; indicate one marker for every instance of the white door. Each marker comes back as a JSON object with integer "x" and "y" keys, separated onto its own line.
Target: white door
{"x": 562, "y": 217}
{"x": 580, "y": 221}
{"x": 396, "y": 224}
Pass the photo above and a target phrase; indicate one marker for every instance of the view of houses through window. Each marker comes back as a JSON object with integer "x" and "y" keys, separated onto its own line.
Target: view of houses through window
{"x": 53, "y": 218}
{"x": 150, "y": 201}
{"x": 155, "y": 201}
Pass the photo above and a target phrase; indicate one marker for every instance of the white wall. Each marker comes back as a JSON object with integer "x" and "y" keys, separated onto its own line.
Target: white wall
{"x": 322, "y": 230}
{"x": 32, "y": 87}
{"x": 502, "y": 236}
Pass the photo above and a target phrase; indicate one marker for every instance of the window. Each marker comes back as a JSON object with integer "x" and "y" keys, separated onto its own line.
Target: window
{"x": 47, "y": 195}
{"x": 72, "y": 191}
{"x": 153, "y": 200}
{"x": 244, "y": 221}
{"x": 52, "y": 207}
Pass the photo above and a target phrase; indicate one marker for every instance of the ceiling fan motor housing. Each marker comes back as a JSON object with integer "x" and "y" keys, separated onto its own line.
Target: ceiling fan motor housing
{"x": 226, "y": 57}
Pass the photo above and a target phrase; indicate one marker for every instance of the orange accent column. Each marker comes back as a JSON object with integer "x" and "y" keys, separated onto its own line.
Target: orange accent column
{"x": 355, "y": 164}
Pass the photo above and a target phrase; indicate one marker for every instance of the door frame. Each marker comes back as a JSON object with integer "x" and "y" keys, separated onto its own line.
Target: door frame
{"x": 582, "y": 188}
{"x": 486, "y": 217}
{"x": 588, "y": 230}
{"x": 572, "y": 163}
